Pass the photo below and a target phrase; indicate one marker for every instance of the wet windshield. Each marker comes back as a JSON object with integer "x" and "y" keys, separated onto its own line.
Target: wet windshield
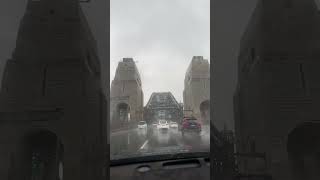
{"x": 159, "y": 73}
{"x": 56, "y": 101}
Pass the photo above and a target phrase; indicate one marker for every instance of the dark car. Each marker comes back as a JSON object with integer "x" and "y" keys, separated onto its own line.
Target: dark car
{"x": 190, "y": 124}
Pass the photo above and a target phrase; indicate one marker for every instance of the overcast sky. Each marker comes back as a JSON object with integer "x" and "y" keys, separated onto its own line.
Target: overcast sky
{"x": 162, "y": 36}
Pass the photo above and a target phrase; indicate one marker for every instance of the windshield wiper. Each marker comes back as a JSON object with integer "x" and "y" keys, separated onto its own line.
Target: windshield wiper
{"x": 158, "y": 157}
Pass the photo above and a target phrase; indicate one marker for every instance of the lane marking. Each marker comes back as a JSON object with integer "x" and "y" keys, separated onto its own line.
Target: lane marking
{"x": 144, "y": 144}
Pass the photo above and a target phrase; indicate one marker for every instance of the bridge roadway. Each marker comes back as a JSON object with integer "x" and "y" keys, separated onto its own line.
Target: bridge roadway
{"x": 152, "y": 140}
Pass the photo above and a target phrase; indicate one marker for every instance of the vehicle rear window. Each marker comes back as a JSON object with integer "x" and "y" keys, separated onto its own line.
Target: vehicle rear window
{"x": 191, "y": 119}
{"x": 163, "y": 122}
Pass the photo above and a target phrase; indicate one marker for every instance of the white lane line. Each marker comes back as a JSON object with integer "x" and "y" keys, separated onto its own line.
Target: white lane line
{"x": 144, "y": 144}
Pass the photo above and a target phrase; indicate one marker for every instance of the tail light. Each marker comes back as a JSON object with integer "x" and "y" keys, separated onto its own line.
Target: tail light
{"x": 184, "y": 124}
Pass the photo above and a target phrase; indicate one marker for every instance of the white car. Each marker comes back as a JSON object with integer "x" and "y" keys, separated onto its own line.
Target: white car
{"x": 173, "y": 125}
{"x": 163, "y": 125}
{"x": 142, "y": 125}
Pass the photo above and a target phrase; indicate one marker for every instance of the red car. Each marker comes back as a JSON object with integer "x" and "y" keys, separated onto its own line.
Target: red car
{"x": 190, "y": 124}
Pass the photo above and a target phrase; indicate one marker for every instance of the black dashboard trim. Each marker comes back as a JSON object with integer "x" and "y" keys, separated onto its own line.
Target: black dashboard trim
{"x": 155, "y": 158}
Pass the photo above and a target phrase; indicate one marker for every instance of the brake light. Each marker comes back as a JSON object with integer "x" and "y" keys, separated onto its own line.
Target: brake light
{"x": 184, "y": 124}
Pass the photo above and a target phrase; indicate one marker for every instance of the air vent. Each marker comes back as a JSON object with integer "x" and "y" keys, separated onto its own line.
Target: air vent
{"x": 143, "y": 169}
{"x": 181, "y": 164}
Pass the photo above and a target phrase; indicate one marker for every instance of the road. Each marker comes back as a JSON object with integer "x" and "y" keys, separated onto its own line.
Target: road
{"x": 152, "y": 140}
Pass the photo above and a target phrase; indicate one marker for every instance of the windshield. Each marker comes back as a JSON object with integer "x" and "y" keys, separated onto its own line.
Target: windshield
{"x": 159, "y": 73}
{"x": 57, "y": 103}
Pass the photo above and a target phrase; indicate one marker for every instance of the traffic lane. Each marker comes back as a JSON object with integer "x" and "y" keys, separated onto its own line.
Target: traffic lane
{"x": 205, "y": 135}
{"x": 160, "y": 141}
{"x": 196, "y": 142}
{"x": 127, "y": 142}
{"x": 173, "y": 139}
{"x": 153, "y": 140}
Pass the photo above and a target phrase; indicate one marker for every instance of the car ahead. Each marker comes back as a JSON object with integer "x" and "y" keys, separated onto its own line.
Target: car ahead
{"x": 142, "y": 125}
{"x": 190, "y": 124}
{"x": 163, "y": 125}
{"x": 173, "y": 125}
{"x": 155, "y": 124}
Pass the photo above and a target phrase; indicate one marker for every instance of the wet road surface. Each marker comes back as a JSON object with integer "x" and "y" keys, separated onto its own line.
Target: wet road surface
{"x": 154, "y": 140}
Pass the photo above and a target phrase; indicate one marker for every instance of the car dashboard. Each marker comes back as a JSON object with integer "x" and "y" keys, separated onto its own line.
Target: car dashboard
{"x": 186, "y": 169}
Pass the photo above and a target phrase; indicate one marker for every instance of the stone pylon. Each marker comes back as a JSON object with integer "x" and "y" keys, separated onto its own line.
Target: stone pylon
{"x": 277, "y": 98}
{"x": 196, "y": 94}
{"x": 53, "y": 117}
{"x": 126, "y": 96}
